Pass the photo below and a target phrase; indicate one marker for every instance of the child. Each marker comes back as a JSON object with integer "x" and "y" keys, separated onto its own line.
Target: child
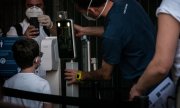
{"x": 28, "y": 57}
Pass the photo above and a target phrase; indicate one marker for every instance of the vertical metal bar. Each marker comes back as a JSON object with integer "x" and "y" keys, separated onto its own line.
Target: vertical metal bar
{"x": 86, "y": 54}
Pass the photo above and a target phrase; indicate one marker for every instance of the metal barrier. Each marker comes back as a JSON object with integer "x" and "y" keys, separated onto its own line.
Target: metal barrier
{"x": 138, "y": 102}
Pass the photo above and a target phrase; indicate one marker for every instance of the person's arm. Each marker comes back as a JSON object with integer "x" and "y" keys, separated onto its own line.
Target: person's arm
{"x": 81, "y": 31}
{"x": 104, "y": 73}
{"x": 45, "y": 20}
{"x": 91, "y": 31}
{"x": 167, "y": 38}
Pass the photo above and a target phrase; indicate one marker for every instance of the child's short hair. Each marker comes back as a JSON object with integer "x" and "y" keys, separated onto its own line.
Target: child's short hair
{"x": 25, "y": 51}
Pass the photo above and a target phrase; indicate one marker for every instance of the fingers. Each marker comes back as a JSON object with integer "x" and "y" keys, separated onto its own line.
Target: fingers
{"x": 134, "y": 93}
{"x": 31, "y": 32}
{"x": 70, "y": 76}
{"x": 78, "y": 30}
{"x": 45, "y": 20}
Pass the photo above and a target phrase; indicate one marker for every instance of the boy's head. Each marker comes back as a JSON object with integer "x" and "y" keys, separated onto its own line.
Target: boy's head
{"x": 25, "y": 52}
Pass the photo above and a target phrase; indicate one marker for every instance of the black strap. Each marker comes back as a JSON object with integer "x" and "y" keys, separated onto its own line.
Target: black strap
{"x": 138, "y": 102}
{"x": 18, "y": 28}
{"x": 46, "y": 31}
{"x": 54, "y": 98}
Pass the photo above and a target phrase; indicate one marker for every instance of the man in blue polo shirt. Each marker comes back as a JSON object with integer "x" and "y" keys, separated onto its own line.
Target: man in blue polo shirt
{"x": 128, "y": 42}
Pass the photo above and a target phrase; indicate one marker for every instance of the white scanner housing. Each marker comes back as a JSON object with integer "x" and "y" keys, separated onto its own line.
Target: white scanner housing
{"x": 50, "y": 57}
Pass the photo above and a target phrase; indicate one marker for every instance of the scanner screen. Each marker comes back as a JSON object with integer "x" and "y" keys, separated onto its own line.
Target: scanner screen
{"x": 65, "y": 39}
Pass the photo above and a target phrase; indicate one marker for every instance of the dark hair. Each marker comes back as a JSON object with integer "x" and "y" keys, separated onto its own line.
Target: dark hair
{"x": 25, "y": 51}
{"x": 84, "y": 3}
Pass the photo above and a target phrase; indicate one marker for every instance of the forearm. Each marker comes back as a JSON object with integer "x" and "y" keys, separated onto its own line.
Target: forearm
{"x": 153, "y": 75}
{"x": 95, "y": 75}
{"x": 104, "y": 73}
{"x": 94, "y": 31}
{"x": 166, "y": 44}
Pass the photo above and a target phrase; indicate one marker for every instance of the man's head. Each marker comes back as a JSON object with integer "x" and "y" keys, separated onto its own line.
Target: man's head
{"x": 83, "y": 4}
{"x": 37, "y": 3}
{"x": 34, "y": 8}
{"x": 25, "y": 52}
{"x": 91, "y": 9}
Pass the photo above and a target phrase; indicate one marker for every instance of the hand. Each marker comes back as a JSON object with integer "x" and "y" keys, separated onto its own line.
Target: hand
{"x": 134, "y": 92}
{"x": 31, "y": 32}
{"x": 79, "y": 31}
{"x": 45, "y": 20}
{"x": 70, "y": 76}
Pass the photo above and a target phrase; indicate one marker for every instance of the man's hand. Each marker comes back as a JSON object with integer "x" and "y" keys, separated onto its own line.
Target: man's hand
{"x": 31, "y": 32}
{"x": 70, "y": 76}
{"x": 79, "y": 31}
{"x": 134, "y": 92}
{"x": 45, "y": 20}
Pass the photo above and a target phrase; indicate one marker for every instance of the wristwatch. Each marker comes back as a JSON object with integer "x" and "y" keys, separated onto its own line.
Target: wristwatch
{"x": 79, "y": 76}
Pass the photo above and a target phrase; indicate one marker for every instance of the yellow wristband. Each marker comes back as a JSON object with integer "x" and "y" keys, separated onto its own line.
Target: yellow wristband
{"x": 79, "y": 76}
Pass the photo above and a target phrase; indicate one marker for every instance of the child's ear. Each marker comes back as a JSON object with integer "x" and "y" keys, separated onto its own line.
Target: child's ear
{"x": 37, "y": 60}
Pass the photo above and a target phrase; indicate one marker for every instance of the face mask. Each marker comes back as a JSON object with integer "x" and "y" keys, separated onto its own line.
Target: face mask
{"x": 91, "y": 18}
{"x": 33, "y": 12}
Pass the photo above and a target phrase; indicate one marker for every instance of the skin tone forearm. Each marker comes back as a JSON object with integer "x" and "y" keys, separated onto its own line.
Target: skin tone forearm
{"x": 80, "y": 31}
{"x": 94, "y": 75}
{"x": 167, "y": 38}
{"x": 104, "y": 73}
{"x": 151, "y": 76}
{"x": 92, "y": 31}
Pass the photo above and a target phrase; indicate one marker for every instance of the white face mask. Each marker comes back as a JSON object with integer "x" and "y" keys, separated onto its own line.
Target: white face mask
{"x": 33, "y": 11}
{"x": 91, "y": 18}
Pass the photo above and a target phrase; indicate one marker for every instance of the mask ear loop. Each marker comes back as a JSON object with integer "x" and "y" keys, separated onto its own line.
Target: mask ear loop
{"x": 36, "y": 60}
{"x": 88, "y": 8}
{"x": 101, "y": 11}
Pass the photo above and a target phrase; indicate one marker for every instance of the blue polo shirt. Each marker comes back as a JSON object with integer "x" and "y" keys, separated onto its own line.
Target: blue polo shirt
{"x": 129, "y": 38}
